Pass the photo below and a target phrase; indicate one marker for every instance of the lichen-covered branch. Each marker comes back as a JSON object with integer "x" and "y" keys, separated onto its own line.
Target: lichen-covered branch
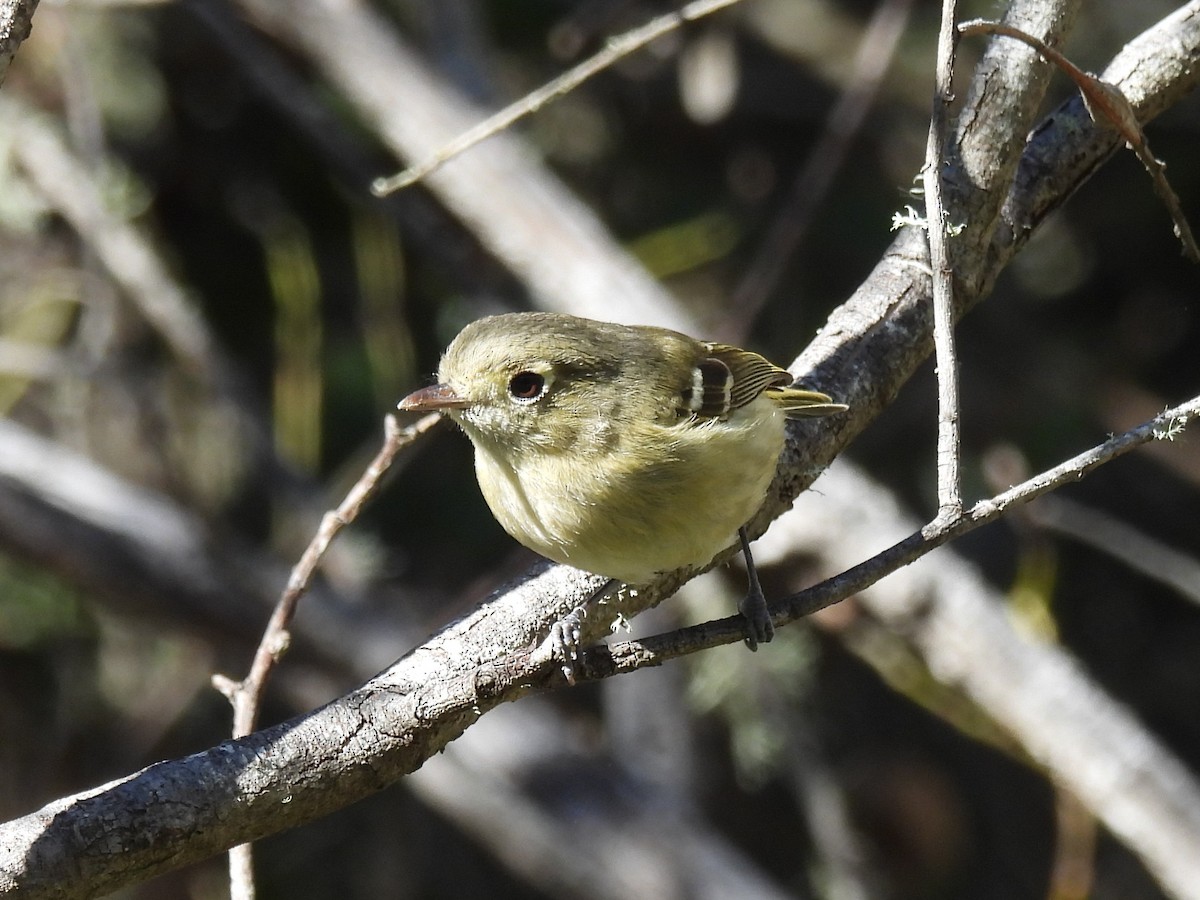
{"x": 16, "y": 21}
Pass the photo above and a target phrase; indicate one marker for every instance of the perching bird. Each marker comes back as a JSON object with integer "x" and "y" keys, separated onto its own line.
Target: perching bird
{"x": 622, "y": 450}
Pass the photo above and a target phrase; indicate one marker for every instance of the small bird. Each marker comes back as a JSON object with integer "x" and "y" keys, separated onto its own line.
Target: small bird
{"x": 622, "y": 450}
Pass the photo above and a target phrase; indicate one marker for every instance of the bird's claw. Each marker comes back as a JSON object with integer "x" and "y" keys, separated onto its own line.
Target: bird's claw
{"x": 759, "y": 627}
{"x": 565, "y": 635}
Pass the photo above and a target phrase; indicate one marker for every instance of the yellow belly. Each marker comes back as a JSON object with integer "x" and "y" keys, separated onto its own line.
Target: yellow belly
{"x": 630, "y": 513}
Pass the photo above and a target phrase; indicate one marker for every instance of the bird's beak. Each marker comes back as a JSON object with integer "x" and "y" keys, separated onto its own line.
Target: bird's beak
{"x": 434, "y": 397}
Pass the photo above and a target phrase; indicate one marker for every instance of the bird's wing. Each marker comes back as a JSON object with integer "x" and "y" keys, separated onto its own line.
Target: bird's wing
{"x": 750, "y": 374}
{"x": 725, "y": 378}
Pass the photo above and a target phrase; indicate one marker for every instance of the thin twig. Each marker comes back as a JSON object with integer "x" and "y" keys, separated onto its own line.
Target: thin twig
{"x": 614, "y": 50}
{"x": 605, "y": 660}
{"x": 246, "y": 695}
{"x": 1115, "y": 109}
{"x": 949, "y": 480}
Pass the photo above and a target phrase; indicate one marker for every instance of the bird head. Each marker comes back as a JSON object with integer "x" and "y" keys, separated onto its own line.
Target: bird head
{"x": 528, "y": 381}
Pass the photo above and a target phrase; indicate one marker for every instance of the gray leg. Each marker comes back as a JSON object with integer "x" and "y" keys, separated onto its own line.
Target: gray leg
{"x": 760, "y": 628}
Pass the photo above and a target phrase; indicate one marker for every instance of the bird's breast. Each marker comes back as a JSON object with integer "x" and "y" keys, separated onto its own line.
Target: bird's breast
{"x": 661, "y": 497}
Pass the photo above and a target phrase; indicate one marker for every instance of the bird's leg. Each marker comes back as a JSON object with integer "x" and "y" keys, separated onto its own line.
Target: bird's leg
{"x": 566, "y": 632}
{"x": 754, "y": 607}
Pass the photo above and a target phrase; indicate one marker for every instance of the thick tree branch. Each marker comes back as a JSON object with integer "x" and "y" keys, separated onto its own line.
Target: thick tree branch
{"x": 16, "y": 21}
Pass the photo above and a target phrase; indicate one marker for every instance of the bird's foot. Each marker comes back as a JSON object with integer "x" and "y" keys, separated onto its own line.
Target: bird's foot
{"x": 565, "y": 635}
{"x": 759, "y": 627}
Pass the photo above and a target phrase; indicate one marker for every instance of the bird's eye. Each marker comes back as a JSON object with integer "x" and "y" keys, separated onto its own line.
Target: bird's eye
{"x": 526, "y": 387}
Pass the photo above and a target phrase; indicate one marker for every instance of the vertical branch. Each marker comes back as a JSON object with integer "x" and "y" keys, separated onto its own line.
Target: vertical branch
{"x": 241, "y": 872}
{"x": 246, "y": 695}
{"x": 949, "y": 479}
